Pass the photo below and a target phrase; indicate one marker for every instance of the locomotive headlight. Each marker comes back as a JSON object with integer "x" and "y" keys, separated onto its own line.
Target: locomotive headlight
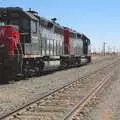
{"x": 2, "y": 45}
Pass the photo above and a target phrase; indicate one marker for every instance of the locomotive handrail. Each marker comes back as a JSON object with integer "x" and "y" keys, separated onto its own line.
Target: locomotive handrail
{"x": 24, "y": 33}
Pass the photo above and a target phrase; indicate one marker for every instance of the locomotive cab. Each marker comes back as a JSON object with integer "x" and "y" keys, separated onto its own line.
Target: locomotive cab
{"x": 87, "y": 48}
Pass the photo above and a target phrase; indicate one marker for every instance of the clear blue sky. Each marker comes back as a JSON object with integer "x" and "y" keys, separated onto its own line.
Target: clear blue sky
{"x": 99, "y": 20}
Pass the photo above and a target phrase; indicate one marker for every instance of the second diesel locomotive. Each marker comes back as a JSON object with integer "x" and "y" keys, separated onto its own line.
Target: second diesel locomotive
{"x": 30, "y": 43}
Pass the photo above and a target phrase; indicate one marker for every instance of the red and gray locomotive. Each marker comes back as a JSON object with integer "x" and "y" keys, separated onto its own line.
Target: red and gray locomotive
{"x": 30, "y": 43}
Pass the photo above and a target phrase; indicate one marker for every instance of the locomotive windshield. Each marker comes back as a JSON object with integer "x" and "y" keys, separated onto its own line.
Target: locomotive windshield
{"x": 88, "y": 42}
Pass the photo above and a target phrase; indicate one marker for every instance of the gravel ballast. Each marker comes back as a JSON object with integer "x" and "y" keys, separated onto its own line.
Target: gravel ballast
{"x": 19, "y": 93}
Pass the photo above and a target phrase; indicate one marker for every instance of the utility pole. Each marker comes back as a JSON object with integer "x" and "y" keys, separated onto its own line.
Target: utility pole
{"x": 104, "y": 48}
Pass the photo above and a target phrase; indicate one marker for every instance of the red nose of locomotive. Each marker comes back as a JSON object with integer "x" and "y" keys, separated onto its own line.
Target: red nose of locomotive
{"x": 9, "y": 38}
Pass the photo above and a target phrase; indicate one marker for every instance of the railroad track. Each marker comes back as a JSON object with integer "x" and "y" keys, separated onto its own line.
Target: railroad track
{"x": 80, "y": 106}
{"x": 57, "y": 104}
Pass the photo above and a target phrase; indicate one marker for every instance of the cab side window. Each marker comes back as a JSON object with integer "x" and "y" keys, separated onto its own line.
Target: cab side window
{"x": 34, "y": 26}
{"x": 88, "y": 42}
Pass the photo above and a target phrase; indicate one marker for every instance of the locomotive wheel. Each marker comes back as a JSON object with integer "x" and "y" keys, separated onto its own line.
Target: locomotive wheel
{"x": 79, "y": 62}
{"x": 1, "y": 73}
{"x": 39, "y": 65}
{"x": 64, "y": 64}
{"x": 88, "y": 59}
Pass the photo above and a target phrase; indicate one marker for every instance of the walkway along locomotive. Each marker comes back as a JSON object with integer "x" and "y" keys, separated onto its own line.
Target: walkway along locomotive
{"x": 30, "y": 43}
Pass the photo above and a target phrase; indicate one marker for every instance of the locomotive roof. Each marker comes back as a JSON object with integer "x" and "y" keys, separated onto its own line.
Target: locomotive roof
{"x": 50, "y": 21}
{"x": 43, "y": 21}
{"x": 11, "y": 8}
{"x": 31, "y": 15}
{"x": 18, "y": 9}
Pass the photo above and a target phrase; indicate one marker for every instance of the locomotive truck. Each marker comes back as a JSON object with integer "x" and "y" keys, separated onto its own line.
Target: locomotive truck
{"x": 30, "y": 43}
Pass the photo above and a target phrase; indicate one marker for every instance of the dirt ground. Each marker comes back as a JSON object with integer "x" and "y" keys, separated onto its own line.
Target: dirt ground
{"x": 108, "y": 103}
{"x": 108, "y": 107}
